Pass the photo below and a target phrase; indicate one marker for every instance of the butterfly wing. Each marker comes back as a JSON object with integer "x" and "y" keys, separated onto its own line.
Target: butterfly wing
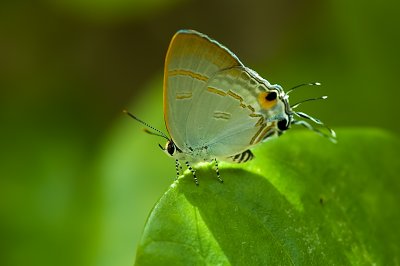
{"x": 191, "y": 60}
{"x": 210, "y": 98}
{"x": 226, "y": 116}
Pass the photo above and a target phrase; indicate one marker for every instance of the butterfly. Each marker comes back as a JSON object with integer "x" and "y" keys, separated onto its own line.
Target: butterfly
{"x": 215, "y": 108}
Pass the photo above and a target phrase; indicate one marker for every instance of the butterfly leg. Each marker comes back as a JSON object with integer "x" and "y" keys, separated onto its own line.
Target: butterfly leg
{"x": 217, "y": 170}
{"x": 193, "y": 172}
{"x": 177, "y": 166}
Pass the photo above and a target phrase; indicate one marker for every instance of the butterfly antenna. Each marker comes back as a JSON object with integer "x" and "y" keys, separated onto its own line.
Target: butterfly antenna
{"x": 301, "y": 85}
{"x": 308, "y": 100}
{"x": 159, "y": 133}
{"x": 153, "y": 133}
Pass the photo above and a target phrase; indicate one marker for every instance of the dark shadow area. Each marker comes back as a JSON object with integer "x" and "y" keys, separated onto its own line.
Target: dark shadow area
{"x": 348, "y": 207}
{"x": 248, "y": 216}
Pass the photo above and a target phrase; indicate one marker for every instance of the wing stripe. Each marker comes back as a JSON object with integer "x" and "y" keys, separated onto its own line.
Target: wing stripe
{"x": 255, "y": 135}
{"x": 216, "y": 91}
{"x": 261, "y": 133}
{"x": 260, "y": 121}
{"x": 183, "y": 95}
{"x": 264, "y": 132}
{"x": 189, "y": 73}
{"x": 251, "y": 108}
{"x": 222, "y": 115}
{"x": 234, "y": 95}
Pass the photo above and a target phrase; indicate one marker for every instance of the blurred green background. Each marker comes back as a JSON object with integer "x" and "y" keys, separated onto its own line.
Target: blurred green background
{"x": 78, "y": 178}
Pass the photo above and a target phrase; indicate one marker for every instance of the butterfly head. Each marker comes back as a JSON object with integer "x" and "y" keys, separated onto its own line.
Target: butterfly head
{"x": 171, "y": 149}
{"x": 275, "y": 102}
{"x": 286, "y": 118}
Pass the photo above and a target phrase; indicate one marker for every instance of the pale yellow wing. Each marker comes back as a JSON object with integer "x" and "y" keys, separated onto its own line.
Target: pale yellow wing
{"x": 192, "y": 59}
{"x": 210, "y": 99}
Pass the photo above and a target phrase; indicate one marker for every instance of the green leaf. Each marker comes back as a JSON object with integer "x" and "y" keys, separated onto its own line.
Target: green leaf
{"x": 301, "y": 201}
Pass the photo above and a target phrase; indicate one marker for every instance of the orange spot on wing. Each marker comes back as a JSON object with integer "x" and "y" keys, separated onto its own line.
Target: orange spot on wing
{"x": 266, "y": 104}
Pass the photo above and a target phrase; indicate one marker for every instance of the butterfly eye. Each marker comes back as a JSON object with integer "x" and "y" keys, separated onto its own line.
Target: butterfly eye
{"x": 283, "y": 125}
{"x": 271, "y": 96}
{"x": 267, "y": 100}
{"x": 170, "y": 148}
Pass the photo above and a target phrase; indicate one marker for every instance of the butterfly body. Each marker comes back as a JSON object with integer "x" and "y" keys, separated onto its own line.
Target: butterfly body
{"x": 214, "y": 106}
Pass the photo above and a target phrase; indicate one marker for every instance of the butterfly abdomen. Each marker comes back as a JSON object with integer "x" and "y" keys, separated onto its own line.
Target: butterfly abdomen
{"x": 243, "y": 157}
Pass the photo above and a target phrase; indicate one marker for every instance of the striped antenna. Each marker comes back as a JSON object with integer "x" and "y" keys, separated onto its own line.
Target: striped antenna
{"x": 294, "y": 106}
{"x": 160, "y": 133}
{"x": 301, "y": 85}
